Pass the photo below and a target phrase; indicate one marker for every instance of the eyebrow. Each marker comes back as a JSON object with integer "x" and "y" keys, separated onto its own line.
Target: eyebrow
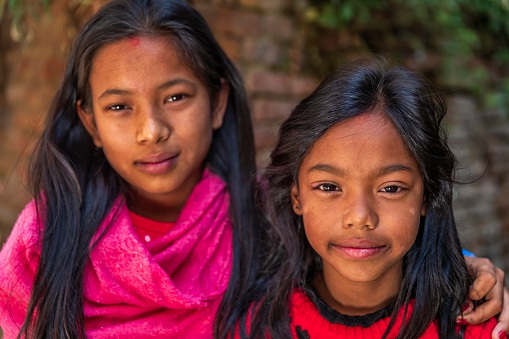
{"x": 173, "y": 82}
{"x": 377, "y": 173}
{"x": 327, "y": 168}
{"x": 391, "y": 169}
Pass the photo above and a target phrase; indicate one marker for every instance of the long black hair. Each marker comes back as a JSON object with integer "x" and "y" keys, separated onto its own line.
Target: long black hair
{"x": 75, "y": 187}
{"x": 435, "y": 273}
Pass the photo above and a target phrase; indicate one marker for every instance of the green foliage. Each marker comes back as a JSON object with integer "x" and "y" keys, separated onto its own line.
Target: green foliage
{"x": 457, "y": 43}
{"x": 17, "y": 11}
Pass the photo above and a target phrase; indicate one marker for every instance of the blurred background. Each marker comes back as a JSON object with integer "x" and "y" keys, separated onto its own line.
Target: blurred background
{"x": 283, "y": 48}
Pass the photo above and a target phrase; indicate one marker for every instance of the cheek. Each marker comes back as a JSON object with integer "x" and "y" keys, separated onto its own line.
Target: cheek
{"x": 194, "y": 127}
{"x": 318, "y": 226}
{"x": 113, "y": 132}
{"x": 408, "y": 229}
{"x": 115, "y": 141}
{"x": 199, "y": 139}
{"x": 116, "y": 157}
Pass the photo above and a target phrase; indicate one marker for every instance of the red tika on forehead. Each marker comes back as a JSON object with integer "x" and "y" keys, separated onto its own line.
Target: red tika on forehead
{"x": 363, "y": 118}
{"x": 134, "y": 41}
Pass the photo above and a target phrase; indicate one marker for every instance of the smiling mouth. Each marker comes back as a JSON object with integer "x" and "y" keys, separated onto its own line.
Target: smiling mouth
{"x": 359, "y": 252}
{"x": 157, "y": 165}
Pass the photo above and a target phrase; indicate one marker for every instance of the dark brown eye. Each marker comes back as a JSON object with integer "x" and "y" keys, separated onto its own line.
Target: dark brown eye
{"x": 118, "y": 107}
{"x": 328, "y": 187}
{"x": 391, "y": 189}
{"x": 175, "y": 97}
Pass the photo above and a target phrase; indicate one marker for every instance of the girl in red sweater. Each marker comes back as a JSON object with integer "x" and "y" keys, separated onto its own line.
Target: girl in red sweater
{"x": 143, "y": 181}
{"x": 362, "y": 179}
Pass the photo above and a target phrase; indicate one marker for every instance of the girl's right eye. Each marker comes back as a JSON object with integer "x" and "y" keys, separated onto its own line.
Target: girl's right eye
{"x": 176, "y": 97}
{"x": 327, "y": 187}
{"x": 118, "y": 107}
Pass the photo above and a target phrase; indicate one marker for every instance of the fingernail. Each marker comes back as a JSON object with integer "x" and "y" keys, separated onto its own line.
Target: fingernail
{"x": 502, "y": 334}
{"x": 465, "y": 307}
{"x": 461, "y": 322}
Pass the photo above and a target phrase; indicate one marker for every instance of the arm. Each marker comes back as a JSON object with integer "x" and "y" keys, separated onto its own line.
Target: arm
{"x": 489, "y": 284}
{"x": 18, "y": 265}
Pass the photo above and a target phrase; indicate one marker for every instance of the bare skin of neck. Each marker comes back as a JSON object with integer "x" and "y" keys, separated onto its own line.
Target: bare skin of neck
{"x": 164, "y": 207}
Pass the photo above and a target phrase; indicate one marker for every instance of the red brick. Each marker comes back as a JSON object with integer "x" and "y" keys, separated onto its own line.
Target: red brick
{"x": 265, "y": 137}
{"x": 280, "y": 83}
{"x": 272, "y": 109}
{"x": 279, "y": 26}
{"x": 268, "y": 82}
{"x": 236, "y": 22}
{"x": 266, "y": 5}
{"x": 53, "y": 69}
{"x": 230, "y": 47}
{"x": 303, "y": 86}
{"x": 263, "y": 50}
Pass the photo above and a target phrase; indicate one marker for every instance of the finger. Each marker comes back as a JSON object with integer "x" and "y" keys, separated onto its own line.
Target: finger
{"x": 502, "y": 327}
{"x": 493, "y": 301}
{"x": 486, "y": 277}
{"x": 493, "y": 305}
{"x": 468, "y": 307}
{"x": 499, "y": 332}
{"x": 483, "y": 312}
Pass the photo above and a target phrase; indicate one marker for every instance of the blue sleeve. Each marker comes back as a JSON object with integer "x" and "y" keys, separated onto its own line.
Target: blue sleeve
{"x": 468, "y": 254}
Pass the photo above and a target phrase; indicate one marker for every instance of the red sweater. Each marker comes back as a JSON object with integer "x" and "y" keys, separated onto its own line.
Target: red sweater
{"x": 308, "y": 323}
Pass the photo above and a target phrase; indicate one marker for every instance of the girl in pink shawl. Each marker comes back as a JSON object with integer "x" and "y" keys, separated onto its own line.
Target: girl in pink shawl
{"x": 142, "y": 182}
{"x": 144, "y": 188}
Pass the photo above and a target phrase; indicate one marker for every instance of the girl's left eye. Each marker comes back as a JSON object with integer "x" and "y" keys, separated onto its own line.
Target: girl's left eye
{"x": 175, "y": 97}
{"x": 327, "y": 187}
{"x": 392, "y": 189}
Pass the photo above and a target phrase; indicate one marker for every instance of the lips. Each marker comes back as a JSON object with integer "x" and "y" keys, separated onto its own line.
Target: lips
{"x": 157, "y": 164}
{"x": 359, "y": 248}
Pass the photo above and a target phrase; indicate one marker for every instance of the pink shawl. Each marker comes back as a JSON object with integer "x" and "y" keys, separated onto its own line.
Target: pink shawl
{"x": 170, "y": 287}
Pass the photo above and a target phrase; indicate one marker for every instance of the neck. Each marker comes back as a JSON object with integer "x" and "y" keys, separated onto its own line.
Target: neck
{"x": 165, "y": 207}
{"x": 162, "y": 209}
{"x": 358, "y": 298}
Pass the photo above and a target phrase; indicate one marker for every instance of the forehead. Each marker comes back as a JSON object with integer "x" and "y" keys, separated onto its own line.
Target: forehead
{"x": 362, "y": 142}
{"x": 137, "y": 61}
{"x": 129, "y": 49}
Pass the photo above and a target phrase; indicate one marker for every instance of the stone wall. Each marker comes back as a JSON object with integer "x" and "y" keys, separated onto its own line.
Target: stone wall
{"x": 480, "y": 139}
{"x": 267, "y": 43}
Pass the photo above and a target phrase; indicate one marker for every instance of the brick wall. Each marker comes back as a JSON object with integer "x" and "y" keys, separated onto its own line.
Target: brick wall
{"x": 263, "y": 41}
{"x": 266, "y": 42}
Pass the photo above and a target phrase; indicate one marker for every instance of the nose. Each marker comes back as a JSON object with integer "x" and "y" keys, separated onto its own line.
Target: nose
{"x": 152, "y": 126}
{"x": 359, "y": 211}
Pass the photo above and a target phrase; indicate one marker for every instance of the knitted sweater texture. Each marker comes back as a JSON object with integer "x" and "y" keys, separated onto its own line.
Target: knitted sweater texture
{"x": 168, "y": 288}
{"x": 308, "y": 323}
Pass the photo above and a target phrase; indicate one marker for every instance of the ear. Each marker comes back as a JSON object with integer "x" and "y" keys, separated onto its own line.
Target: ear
{"x": 221, "y": 102}
{"x": 296, "y": 206}
{"x": 88, "y": 121}
{"x": 423, "y": 207}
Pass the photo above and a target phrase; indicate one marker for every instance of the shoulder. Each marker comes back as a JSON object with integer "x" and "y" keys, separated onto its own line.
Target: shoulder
{"x": 480, "y": 331}
{"x": 19, "y": 259}
{"x": 306, "y": 320}
{"x": 26, "y": 231}
{"x": 22, "y": 248}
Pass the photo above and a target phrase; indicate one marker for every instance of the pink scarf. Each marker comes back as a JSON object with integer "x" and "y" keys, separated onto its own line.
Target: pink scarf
{"x": 170, "y": 287}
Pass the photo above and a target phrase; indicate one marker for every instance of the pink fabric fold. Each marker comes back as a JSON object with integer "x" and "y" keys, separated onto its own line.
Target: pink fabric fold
{"x": 170, "y": 287}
